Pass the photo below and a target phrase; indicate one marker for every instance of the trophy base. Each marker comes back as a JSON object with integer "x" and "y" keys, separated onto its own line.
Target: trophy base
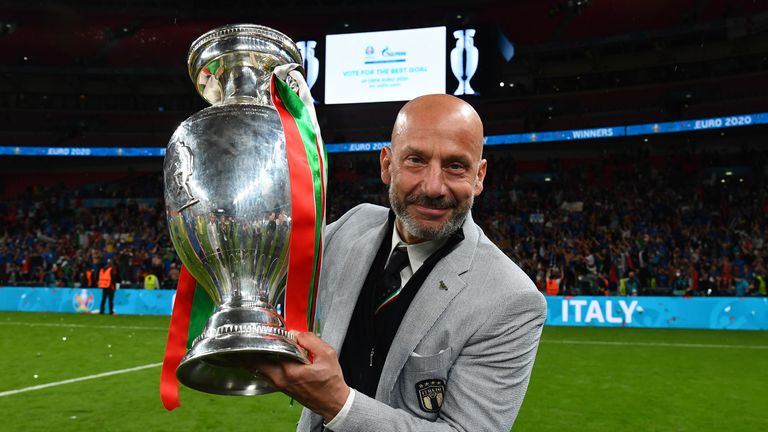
{"x": 221, "y": 358}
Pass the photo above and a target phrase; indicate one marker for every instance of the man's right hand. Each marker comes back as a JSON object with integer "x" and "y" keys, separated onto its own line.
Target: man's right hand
{"x": 319, "y": 386}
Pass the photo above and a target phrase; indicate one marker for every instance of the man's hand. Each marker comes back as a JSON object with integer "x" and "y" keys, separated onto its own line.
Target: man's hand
{"x": 318, "y": 386}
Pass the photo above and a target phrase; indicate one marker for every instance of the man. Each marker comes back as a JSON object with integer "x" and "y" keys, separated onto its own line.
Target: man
{"x": 632, "y": 284}
{"x": 106, "y": 281}
{"x": 452, "y": 346}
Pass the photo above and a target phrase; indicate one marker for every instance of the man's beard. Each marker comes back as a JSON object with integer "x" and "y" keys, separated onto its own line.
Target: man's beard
{"x": 454, "y": 222}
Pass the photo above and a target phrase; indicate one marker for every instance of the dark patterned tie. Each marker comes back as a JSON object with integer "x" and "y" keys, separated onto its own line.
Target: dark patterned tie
{"x": 390, "y": 288}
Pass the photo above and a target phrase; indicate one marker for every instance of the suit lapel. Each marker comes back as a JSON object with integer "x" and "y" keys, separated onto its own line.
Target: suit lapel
{"x": 356, "y": 265}
{"x": 439, "y": 288}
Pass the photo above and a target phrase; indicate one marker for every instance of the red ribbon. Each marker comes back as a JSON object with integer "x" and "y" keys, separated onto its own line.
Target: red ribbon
{"x": 301, "y": 245}
{"x": 176, "y": 346}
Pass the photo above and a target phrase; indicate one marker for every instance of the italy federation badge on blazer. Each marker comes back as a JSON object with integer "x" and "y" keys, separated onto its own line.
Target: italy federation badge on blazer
{"x": 431, "y": 393}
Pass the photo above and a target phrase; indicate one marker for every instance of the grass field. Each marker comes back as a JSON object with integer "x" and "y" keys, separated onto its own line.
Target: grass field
{"x": 585, "y": 379}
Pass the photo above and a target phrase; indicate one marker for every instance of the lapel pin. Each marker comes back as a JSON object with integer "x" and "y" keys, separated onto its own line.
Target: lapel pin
{"x": 442, "y": 286}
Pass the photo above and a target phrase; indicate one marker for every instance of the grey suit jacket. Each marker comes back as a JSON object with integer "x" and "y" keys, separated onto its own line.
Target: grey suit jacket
{"x": 471, "y": 333}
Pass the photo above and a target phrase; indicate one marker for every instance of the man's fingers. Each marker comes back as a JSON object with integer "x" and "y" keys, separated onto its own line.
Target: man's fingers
{"x": 307, "y": 339}
{"x": 265, "y": 368}
{"x": 271, "y": 371}
{"x": 313, "y": 344}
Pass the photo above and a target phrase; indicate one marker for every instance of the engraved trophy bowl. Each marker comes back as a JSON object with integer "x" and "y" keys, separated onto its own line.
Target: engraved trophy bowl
{"x": 227, "y": 195}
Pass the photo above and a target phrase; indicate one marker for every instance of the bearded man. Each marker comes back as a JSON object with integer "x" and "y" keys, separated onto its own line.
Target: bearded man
{"x": 426, "y": 324}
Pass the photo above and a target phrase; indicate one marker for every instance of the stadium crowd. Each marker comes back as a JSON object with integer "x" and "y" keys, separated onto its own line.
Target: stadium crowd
{"x": 631, "y": 224}
{"x": 56, "y": 236}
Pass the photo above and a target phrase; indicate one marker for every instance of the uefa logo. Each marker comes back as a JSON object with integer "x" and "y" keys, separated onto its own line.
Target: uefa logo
{"x": 369, "y": 50}
{"x": 83, "y": 301}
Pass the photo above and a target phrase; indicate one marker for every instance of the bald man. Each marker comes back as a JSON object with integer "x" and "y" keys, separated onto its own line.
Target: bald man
{"x": 426, "y": 325}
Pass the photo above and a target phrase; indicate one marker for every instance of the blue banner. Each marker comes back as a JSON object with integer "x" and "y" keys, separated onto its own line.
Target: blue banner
{"x": 563, "y": 135}
{"x": 740, "y": 120}
{"x": 721, "y": 313}
{"x": 82, "y": 300}
{"x": 356, "y": 147}
{"x": 84, "y": 151}
{"x": 700, "y": 124}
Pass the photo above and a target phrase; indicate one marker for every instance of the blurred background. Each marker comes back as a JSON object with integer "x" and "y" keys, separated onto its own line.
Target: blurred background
{"x": 89, "y": 87}
{"x": 626, "y": 147}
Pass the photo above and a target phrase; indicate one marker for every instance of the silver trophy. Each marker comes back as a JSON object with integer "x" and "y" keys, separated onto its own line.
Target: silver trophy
{"x": 228, "y": 203}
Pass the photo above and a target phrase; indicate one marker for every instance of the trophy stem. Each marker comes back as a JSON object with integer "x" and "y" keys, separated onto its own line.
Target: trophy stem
{"x": 234, "y": 338}
{"x": 246, "y": 82}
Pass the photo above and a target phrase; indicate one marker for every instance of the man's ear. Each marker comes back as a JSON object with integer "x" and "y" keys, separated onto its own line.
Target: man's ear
{"x": 480, "y": 177}
{"x": 385, "y": 159}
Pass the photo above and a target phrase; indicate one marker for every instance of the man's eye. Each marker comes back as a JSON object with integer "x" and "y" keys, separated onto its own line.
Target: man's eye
{"x": 413, "y": 159}
{"x": 455, "y": 166}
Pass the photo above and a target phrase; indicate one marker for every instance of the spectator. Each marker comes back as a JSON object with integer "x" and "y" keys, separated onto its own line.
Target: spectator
{"x": 173, "y": 277}
{"x": 740, "y": 285}
{"x": 150, "y": 282}
{"x": 680, "y": 283}
{"x": 632, "y": 284}
{"x": 554, "y": 276}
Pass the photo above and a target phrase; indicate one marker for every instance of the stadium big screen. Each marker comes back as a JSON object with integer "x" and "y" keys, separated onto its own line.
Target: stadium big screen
{"x": 384, "y": 66}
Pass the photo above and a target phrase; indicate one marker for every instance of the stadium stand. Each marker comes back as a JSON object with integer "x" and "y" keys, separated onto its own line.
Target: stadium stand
{"x": 94, "y": 76}
{"x": 677, "y": 221}
{"x": 55, "y": 235}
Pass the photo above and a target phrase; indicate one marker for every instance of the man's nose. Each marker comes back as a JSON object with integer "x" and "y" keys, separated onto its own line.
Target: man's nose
{"x": 434, "y": 182}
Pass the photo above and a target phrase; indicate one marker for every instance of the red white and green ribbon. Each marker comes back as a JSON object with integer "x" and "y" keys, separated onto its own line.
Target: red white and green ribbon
{"x": 192, "y": 307}
{"x": 308, "y": 177}
{"x": 308, "y": 171}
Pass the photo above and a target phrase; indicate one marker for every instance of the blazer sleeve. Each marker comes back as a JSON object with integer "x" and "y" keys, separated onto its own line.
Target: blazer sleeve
{"x": 487, "y": 382}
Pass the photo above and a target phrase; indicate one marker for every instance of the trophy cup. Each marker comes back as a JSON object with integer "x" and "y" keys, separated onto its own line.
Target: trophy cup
{"x": 228, "y": 203}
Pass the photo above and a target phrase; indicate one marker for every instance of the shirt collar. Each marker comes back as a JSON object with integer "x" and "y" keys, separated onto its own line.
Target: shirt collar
{"x": 418, "y": 252}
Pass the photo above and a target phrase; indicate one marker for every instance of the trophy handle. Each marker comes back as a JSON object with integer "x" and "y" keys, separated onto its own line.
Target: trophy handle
{"x": 472, "y": 59}
{"x": 457, "y": 61}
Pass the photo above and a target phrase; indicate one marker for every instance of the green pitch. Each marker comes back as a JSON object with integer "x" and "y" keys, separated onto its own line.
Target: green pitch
{"x": 585, "y": 379}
